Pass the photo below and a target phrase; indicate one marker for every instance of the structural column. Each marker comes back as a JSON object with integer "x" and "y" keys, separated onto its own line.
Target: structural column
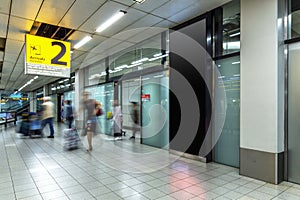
{"x": 32, "y": 102}
{"x": 262, "y": 91}
{"x": 79, "y": 88}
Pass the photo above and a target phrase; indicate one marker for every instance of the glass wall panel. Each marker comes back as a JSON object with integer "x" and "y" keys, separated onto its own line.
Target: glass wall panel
{"x": 39, "y": 99}
{"x": 231, "y": 27}
{"x": 145, "y": 55}
{"x": 294, "y": 113}
{"x": 62, "y": 85}
{"x": 104, "y": 94}
{"x": 96, "y": 73}
{"x": 70, "y": 96}
{"x": 54, "y": 100}
{"x": 155, "y": 110}
{"x": 294, "y": 19}
{"x": 226, "y": 150}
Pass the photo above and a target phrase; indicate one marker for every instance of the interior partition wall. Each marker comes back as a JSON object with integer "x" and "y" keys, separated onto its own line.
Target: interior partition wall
{"x": 294, "y": 113}
{"x": 293, "y": 97}
{"x": 155, "y": 109}
{"x": 226, "y": 150}
{"x": 190, "y": 86}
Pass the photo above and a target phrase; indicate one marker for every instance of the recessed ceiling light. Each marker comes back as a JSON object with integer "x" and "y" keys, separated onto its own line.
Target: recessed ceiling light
{"x": 139, "y": 1}
{"x": 111, "y": 20}
{"x": 82, "y": 42}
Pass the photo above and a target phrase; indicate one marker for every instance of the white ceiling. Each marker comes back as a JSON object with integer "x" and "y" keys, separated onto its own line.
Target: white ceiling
{"x": 84, "y": 16}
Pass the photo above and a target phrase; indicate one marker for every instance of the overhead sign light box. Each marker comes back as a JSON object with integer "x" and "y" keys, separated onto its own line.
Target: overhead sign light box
{"x": 48, "y": 57}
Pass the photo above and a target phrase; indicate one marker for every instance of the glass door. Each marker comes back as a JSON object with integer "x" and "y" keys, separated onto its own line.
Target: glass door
{"x": 155, "y": 110}
{"x": 131, "y": 92}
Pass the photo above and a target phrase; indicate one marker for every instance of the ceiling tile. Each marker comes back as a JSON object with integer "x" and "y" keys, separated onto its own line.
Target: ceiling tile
{"x": 21, "y": 59}
{"x": 1, "y": 55}
{"x": 107, "y": 44}
{"x": 147, "y": 21}
{"x": 126, "y": 2}
{"x": 5, "y": 6}
{"x": 76, "y": 53}
{"x": 3, "y": 25}
{"x": 7, "y": 68}
{"x": 27, "y": 9}
{"x": 172, "y": 7}
{"x": 18, "y": 27}
{"x": 10, "y": 58}
{"x": 9, "y": 85}
{"x": 19, "y": 68}
{"x": 166, "y": 24}
{"x": 104, "y": 13}
{"x": 52, "y": 11}
{"x": 124, "y": 35}
{"x": 148, "y": 5}
{"x": 13, "y": 46}
{"x": 195, "y": 9}
{"x": 85, "y": 7}
{"x": 148, "y": 33}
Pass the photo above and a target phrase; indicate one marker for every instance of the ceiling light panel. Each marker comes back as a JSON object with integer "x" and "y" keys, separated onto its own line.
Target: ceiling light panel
{"x": 77, "y": 35}
{"x": 131, "y": 16}
{"x": 82, "y": 42}
{"x": 110, "y": 21}
{"x": 139, "y": 1}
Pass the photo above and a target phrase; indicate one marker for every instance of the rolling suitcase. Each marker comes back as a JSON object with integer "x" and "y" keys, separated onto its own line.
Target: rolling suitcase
{"x": 72, "y": 140}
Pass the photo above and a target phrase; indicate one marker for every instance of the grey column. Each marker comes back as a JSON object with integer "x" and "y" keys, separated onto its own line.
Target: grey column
{"x": 262, "y": 91}
{"x": 32, "y": 101}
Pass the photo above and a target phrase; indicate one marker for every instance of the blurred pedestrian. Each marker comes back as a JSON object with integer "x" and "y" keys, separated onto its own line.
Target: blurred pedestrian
{"x": 90, "y": 108}
{"x": 135, "y": 119}
{"x": 48, "y": 115}
{"x": 69, "y": 115}
{"x": 117, "y": 119}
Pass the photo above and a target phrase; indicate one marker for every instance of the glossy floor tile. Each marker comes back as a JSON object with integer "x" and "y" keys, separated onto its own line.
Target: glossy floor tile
{"x": 40, "y": 168}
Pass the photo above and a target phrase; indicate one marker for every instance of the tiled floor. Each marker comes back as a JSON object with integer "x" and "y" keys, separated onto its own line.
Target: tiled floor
{"x": 40, "y": 169}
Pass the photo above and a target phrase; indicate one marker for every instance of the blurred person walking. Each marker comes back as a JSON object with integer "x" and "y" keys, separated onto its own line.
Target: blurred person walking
{"x": 47, "y": 115}
{"x": 135, "y": 119}
{"x": 90, "y": 108}
{"x": 69, "y": 115}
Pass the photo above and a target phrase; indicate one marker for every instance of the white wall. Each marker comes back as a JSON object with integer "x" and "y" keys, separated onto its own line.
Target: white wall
{"x": 259, "y": 76}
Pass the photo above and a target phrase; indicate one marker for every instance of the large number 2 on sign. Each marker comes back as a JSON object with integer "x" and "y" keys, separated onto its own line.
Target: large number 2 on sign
{"x": 62, "y": 52}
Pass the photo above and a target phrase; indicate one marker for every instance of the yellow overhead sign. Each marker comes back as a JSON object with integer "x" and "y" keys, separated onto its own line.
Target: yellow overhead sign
{"x": 49, "y": 57}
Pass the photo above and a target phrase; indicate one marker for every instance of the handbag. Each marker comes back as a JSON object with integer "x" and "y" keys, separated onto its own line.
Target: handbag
{"x": 99, "y": 112}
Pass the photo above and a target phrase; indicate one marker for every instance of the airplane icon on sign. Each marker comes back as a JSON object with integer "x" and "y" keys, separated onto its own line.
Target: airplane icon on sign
{"x": 35, "y": 49}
